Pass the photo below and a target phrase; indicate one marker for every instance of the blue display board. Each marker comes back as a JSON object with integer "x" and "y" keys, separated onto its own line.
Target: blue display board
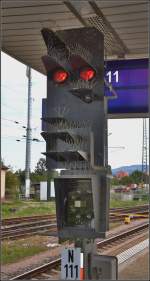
{"x": 129, "y": 78}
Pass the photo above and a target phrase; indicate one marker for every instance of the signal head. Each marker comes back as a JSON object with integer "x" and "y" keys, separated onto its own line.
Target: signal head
{"x": 60, "y": 76}
{"x": 87, "y": 74}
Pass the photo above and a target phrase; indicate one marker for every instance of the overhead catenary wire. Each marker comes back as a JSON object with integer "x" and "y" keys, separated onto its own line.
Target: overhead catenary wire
{"x": 15, "y": 122}
{"x": 19, "y": 112}
{"x": 23, "y": 139}
{"x": 20, "y": 123}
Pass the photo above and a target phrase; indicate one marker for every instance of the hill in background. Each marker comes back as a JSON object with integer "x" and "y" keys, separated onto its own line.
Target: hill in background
{"x": 128, "y": 169}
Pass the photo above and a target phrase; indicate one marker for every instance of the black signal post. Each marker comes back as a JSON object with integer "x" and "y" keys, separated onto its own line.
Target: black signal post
{"x": 74, "y": 128}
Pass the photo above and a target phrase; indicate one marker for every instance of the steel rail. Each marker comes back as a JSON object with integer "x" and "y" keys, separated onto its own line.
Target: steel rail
{"x": 34, "y": 218}
{"x": 24, "y": 219}
{"x": 29, "y": 231}
{"x": 45, "y": 229}
{"x": 122, "y": 235}
{"x": 40, "y": 269}
{"x": 56, "y": 262}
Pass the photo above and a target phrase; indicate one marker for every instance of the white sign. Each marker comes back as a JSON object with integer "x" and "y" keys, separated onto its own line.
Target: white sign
{"x": 43, "y": 190}
{"x": 70, "y": 264}
{"x": 52, "y": 189}
{"x": 27, "y": 188}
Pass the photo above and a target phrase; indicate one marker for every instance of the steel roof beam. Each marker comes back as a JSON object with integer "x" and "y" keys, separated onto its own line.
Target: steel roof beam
{"x": 116, "y": 36}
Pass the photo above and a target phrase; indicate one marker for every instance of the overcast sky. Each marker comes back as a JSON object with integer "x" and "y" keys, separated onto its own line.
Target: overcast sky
{"x": 124, "y": 132}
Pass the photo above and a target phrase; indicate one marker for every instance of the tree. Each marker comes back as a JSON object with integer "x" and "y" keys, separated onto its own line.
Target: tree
{"x": 115, "y": 181}
{"x": 12, "y": 185}
{"x": 137, "y": 176}
{"x": 21, "y": 175}
{"x": 126, "y": 180}
{"x": 35, "y": 177}
{"x": 40, "y": 168}
{"x": 41, "y": 173}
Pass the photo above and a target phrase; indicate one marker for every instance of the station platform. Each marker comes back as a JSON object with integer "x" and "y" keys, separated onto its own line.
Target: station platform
{"x": 136, "y": 268}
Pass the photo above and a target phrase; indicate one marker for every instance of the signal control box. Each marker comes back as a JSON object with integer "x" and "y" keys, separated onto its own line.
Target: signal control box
{"x": 81, "y": 205}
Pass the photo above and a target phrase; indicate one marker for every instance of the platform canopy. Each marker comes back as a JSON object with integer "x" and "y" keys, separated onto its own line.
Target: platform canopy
{"x": 124, "y": 24}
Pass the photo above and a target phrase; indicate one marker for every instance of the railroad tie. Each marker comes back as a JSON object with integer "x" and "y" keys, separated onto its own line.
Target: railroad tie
{"x": 48, "y": 276}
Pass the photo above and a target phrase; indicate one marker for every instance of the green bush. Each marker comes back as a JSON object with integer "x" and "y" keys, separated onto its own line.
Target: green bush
{"x": 12, "y": 185}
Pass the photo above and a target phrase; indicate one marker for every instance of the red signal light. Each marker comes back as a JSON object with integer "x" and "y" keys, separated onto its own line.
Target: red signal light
{"x": 87, "y": 74}
{"x": 60, "y": 76}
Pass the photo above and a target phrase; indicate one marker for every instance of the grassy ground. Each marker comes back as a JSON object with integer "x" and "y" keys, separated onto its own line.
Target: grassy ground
{"x": 13, "y": 251}
{"x": 129, "y": 203}
{"x": 26, "y": 208}
{"x": 16, "y": 250}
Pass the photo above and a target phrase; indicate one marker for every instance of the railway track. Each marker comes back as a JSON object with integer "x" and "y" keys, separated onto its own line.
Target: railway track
{"x": 26, "y": 226}
{"x": 20, "y": 227}
{"x": 137, "y": 208}
{"x": 122, "y": 236}
{"x": 49, "y": 229}
{"x": 51, "y": 270}
{"x": 18, "y": 220}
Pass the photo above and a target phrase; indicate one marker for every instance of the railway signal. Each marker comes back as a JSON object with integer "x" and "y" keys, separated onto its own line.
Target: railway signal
{"x": 73, "y": 125}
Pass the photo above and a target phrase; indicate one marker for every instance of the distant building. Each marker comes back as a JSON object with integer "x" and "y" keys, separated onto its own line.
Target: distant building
{"x": 122, "y": 189}
{"x": 146, "y": 187}
{"x": 133, "y": 186}
{"x": 3, "y": 177}
{"x": 122, "y": 195}
{"x": 42, "y": 190}
{"x": 121, "y": 174}
{"x": 35, "y": 190}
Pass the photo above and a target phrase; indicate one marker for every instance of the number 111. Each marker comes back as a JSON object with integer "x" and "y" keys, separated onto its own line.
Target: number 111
{"x": 71, "y": 267}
